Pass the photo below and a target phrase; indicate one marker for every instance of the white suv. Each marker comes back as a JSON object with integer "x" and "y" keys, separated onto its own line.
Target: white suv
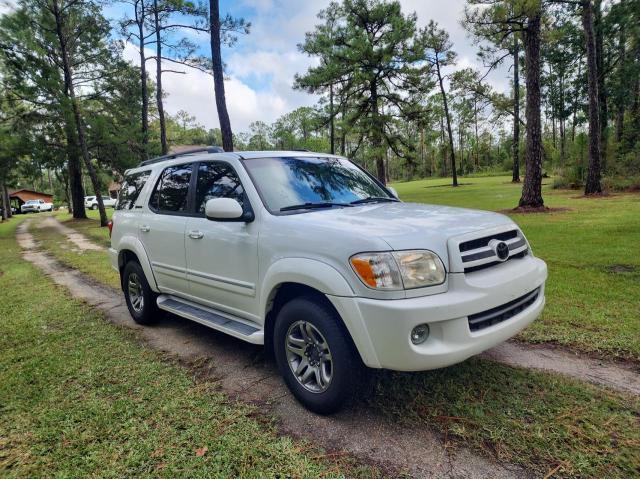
{"x": 311, "y": 256}
{"x": 91, "y": 202}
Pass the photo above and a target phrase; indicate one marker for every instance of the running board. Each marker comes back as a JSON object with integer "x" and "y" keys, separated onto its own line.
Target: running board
{"x": 211, "y": 318}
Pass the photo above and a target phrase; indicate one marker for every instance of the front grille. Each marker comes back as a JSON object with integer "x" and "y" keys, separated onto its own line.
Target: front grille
{"x": 501, "y": 313}
{"x": 479, "y": 253}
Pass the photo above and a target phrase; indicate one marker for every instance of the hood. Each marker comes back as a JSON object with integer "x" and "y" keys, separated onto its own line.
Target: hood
{"x": 406, "y": 225}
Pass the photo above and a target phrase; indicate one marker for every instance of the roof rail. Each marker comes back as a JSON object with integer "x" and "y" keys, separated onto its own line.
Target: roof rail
{"x": 171, "y": 156}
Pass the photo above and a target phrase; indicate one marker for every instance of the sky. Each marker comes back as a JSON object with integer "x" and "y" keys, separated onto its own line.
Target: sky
{"x": 260, "y": 68}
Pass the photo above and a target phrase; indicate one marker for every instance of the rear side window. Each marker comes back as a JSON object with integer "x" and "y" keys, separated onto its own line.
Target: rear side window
{"x": 217, "y": 180}
{"x": 172, "y": 189}
{"x": 131, "y": 189}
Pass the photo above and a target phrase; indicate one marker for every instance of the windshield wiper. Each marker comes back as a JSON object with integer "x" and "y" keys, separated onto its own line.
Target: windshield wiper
{"x": 374, "y": 199}
{"x": 309, "y": 206}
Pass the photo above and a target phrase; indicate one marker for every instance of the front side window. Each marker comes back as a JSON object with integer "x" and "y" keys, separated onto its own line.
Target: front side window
{"x": 171, "y": 192}
{"x": 217, "y": 180}
{"x": 131, "y": 189}
{"x": 285, "y": 183}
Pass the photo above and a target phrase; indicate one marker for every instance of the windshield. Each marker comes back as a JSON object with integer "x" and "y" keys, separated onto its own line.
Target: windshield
{"x": 284, "y": 183}
{"x": 32, "y": 202}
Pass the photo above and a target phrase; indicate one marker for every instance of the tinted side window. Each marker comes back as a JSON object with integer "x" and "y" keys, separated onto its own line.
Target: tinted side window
{"x": 217, "y": 180}
{"x": 172, "y": 190}
{"x": 131, "y": 189}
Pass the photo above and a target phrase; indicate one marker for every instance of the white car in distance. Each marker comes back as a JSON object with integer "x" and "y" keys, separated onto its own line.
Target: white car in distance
{"x": 311, "y": 256}
{"x": 91, "y": 202}
{"x": 35, "y": 206}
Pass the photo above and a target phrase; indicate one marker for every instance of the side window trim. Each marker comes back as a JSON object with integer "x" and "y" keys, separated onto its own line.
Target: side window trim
{"x": 188, "y": 211}
{"x": 247, "y": 203}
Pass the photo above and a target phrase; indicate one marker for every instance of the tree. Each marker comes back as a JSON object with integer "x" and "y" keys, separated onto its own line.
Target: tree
{"x": 378, "y": 61}
{"x": 503, "y": 18}
{"x": 135, "y": 27}
{"x": 532, "y": 185}
{"x": 592, "y": 185}
{"x": 32, "y": 76}
{"x": 218, "y": 75}
{"x": 440, "y": 55}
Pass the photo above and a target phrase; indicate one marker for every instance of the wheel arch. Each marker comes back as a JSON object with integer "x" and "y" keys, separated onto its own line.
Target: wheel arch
{"x": 295, "y": 277}
{"x": 131, "y": 249}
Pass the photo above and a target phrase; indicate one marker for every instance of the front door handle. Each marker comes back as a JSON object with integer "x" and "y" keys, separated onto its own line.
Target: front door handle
{"x": 196, "y": 234}
{"x": 145, "y": 228}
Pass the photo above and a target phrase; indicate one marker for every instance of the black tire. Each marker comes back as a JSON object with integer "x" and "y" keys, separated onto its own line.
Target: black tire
{"x": 348, "y": 371}
{"x": 148, "y": 312}
{"x": 94, "y": 207}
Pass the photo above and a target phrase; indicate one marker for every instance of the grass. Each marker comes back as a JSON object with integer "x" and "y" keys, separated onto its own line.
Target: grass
{"x": 539, "y": 420}
{"x": 591, "y": 248}
{"x": 81, "y": 397}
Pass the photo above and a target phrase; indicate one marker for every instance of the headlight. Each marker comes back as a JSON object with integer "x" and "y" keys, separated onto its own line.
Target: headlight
{"x": 398, "y": 270}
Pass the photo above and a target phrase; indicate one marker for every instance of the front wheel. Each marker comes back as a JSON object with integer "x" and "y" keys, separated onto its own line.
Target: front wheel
{"x": 94, "y": 207}
{"x": 141, "y": 300}
{"x": 314, "y": 356}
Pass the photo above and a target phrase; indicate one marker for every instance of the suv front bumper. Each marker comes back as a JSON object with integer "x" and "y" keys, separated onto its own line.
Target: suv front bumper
{"x": 381, "y": 329}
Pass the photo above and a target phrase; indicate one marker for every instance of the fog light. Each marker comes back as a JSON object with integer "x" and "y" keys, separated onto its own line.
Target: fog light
{"x": 420, "y": 333}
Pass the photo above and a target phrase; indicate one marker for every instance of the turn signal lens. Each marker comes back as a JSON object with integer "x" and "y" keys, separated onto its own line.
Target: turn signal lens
{"x": 377, "y": 270}
{"x": 110, "y": 226}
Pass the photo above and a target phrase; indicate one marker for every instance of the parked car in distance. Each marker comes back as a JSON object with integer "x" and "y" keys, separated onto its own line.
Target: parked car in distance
{"x": 35, "y": 206}
{"x": 91, "y": 202}
{"x": 311, "y": 256}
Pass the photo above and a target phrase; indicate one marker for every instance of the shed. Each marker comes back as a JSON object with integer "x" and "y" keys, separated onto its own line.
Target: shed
{"x": 22, "y": 196}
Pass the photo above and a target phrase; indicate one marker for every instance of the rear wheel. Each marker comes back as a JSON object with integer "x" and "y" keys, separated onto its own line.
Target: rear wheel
{"x": 94, "y": 207}
{"x": 141, "y": 300}
{"x": 314, "y": 356}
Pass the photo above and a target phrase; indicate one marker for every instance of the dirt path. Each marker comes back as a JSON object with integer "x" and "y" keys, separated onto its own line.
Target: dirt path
{"x": 243, "y": 373}
{"x": 80, "y": 241}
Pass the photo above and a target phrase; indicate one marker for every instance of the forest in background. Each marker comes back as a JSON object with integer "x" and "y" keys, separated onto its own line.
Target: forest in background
{"x": 74, "y": 115}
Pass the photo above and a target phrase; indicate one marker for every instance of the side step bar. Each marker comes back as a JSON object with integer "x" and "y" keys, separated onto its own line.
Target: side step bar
{"x": 218, "y": 320}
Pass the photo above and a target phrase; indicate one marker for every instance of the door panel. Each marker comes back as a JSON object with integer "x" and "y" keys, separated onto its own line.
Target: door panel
{"x": 162, "y": 228}
{"x": 163, "y": 239}
{"x": 222, "y": 264}
{"x": 222, "y": 257}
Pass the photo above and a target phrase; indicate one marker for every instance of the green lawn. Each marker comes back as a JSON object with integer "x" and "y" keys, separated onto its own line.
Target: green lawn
{"x": 536, "y": 419}
{"x": 592, "y": 250}
{"x": 80, "y": 397}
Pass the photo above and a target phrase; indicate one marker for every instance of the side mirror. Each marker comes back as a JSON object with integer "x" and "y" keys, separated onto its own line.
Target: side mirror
{"x": 226, "y": 209}
{"x": 393, "y": 191}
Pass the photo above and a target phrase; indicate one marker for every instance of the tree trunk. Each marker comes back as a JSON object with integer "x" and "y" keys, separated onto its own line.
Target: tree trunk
{"x": 475, "y": 120}
{"x": 76, "y": 189}
{"x": 332, "y": 126}
{"x": 574, "y": 108}
{"x": 454, "y": 174}
{"x": 515, "y": 178}
{"x": 161, "y": 119}
{"x": 6, "y": 207}
{"x": 70, "y": 90}
{"x": 563, "y": 143}
{"x": 621, "y": 93}
{"x": 376, "y": 140}
{"x": 592, "y": 184}
{"x": 143, "y": 82}
{"x": 602, "y": 92}
{"x": 218, "y": 76}
{"x": 532, "y": 186}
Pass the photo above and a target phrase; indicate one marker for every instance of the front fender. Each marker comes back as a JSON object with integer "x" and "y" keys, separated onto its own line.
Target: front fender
{"x": 133, "y": 244}
{"x": 329, "y": 281}
{"x": 309, "y": 272}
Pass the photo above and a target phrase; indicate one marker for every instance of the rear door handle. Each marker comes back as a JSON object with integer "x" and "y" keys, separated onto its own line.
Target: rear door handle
{"x": 196, "y": 234}
{"x": 144, "y": 228}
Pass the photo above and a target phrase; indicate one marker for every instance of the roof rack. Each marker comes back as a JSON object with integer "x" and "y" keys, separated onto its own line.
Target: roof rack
{"x": 171, "y": 156}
